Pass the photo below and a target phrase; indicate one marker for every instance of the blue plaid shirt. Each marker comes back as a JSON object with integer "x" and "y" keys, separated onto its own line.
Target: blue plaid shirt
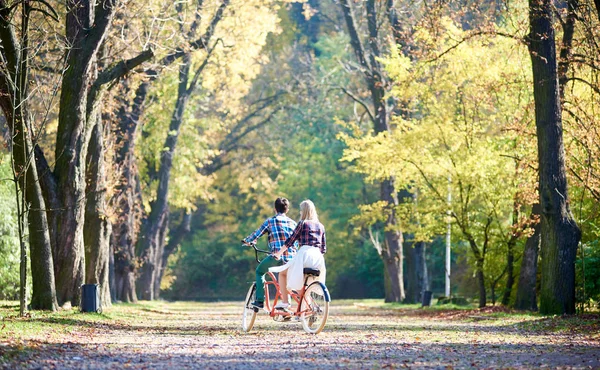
{"x": 279, "y": 228}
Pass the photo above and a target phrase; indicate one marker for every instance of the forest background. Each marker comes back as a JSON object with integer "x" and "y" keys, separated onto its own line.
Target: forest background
{"x": 145, "y": 139}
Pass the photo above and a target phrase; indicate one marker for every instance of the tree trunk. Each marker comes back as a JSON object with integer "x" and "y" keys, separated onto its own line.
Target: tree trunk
{"x": 175, "y": 240}
{"x": 392, "y": 248}
{"x": 154, "y": 229}
{"x": 158, "y": 263}
{"x": 98, "y": 229}
{"x": 15, "y": 112}
{"x": 526, "y": 288}
{"x": 86, "y": 26}
{"x": 479, "y": 255}
{"x": 421, "y": 269}
{"x": 112, "y": 282}
{"x": 481, "y": 283}
{"x": 128, "y": 209}
{"x": 510, "y": 255}
{"x": 393, "y": 270}
{"x": 410, "y": 271}
{"x": 560, "y": 234}
{"x": 510, "y": 279}
{"x": 125, "y": 283}
{"x": 416, "y": 272}
{"x": 42, "y": 272}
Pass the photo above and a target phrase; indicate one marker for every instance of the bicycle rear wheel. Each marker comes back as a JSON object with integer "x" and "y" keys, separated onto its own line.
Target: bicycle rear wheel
{"x": 249, "y": 314}
{"x": 314, "y": 308}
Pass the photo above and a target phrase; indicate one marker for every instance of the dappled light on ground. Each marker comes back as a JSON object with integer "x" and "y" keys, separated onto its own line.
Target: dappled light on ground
{"x": 207, "y": 335}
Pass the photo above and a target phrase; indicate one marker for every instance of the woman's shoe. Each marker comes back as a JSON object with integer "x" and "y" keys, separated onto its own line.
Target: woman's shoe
{"x": 282, "y": 306}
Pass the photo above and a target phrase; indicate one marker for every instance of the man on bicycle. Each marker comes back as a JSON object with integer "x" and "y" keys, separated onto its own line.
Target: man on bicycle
{"x": 279, "y": 228}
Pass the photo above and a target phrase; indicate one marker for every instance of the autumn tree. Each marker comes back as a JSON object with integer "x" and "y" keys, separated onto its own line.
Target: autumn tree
{"x": 217, "y": 77}
{"x": 560, "y": 234}
{"x": 457, "y": 134}
{"x": 15, "y": 101}
{"x": 379, "y": 111}
{"x": 81, "y": 93}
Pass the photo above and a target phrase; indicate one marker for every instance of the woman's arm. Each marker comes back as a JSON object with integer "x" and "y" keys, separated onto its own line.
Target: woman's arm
{"x": 289, "y": 241}
{"x": 323, "y": 243}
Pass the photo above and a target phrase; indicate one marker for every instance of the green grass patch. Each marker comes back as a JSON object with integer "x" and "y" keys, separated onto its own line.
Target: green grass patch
{"x": 380, "y": 304}
{"x": 572, "y": 324}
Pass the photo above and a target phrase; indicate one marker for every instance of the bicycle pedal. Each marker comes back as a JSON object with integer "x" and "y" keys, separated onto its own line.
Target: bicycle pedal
{"x": 282, "y": 309}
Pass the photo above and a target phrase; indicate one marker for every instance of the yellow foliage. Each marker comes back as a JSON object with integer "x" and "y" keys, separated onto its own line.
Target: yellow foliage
{"x": 216, "y": 105}
{"x": 454, "y": 133}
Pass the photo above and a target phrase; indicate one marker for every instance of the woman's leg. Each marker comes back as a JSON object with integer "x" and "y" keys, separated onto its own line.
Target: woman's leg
{"x": 283, "y": 286}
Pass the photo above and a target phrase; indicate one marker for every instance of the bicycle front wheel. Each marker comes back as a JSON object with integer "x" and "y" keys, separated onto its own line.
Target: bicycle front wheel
{"x": 250, "y": 312}
{"x": 314, "y": 308}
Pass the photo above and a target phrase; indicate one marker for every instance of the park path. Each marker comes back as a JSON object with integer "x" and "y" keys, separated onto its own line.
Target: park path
{"x": 207, "y": 336}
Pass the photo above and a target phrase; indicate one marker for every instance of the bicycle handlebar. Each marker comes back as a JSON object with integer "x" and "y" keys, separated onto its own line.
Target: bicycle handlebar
{"x": 256, "y": 250}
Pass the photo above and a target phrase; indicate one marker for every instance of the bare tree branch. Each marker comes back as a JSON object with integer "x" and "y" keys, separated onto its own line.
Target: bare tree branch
{"x": 354, "y": 35}
{"x": 567, "y": 45}
{"x": 592, "y": 86}
{"x": 121, "y": 68}
{"x": 356, "y": 99}
{"x": 201, "y": 68}
{"x": 473, "y": 35}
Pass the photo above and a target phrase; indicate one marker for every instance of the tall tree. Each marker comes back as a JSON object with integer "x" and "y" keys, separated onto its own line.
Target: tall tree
{"x": 391, "y": 250}
{"x": 130, "y": 115}
{"x": 14, "y": 83}
{"x": 81, "y": 94}
{"x": 154, "y": 229}
{"x": 560, "y": 234}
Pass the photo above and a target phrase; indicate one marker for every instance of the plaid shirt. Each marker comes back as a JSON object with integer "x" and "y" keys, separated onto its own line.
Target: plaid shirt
{"x": 309, "y": 233}
{"x": 279, "y": 228}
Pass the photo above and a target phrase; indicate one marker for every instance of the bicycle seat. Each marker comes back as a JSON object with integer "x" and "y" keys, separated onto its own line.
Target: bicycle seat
{"x": 312, "y": 272}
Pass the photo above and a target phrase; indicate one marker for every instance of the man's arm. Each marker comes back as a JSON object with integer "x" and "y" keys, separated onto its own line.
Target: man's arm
{"x": 258, "y": 233}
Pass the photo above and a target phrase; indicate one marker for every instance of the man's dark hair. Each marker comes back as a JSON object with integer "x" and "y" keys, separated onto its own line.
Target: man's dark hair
{"x": 282, "y": 205}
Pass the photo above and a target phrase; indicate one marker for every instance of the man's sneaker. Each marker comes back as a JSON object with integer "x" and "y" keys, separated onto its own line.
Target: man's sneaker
{"x": 282, "y": 306}
{"x": 258, "y": 304}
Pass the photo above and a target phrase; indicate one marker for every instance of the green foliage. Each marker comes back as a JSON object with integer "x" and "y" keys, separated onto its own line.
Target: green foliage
{"x": 453, "y": 133}
{"x": 212, "y": 263}
{"x": 588, "y": 273}
{"x": 234, "y": 62}
{"x": 463, "y": 112}
{"x": 187, "y": 184}
{"x": 297, "y": 156}
{"x": 9, "y": 238}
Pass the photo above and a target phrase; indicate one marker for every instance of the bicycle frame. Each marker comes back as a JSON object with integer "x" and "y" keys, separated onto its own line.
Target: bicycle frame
{"x": 297, "y": 296}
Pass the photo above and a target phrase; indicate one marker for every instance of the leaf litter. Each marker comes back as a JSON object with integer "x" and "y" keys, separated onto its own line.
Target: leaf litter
{"x": 188, "y": 335}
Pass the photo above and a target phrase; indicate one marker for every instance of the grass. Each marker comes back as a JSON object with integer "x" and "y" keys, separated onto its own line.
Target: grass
{"x": 377, "y": 303}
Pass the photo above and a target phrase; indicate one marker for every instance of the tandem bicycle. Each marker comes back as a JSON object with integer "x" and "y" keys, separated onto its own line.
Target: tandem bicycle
{"x": 311, "y": 302}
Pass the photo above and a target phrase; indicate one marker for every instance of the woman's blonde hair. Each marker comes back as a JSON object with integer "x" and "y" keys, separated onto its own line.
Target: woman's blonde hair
{"x": 308, "y": 211}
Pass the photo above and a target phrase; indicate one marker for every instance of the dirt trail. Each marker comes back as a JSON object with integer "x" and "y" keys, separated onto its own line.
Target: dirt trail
{"x": 207, "y": 336}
